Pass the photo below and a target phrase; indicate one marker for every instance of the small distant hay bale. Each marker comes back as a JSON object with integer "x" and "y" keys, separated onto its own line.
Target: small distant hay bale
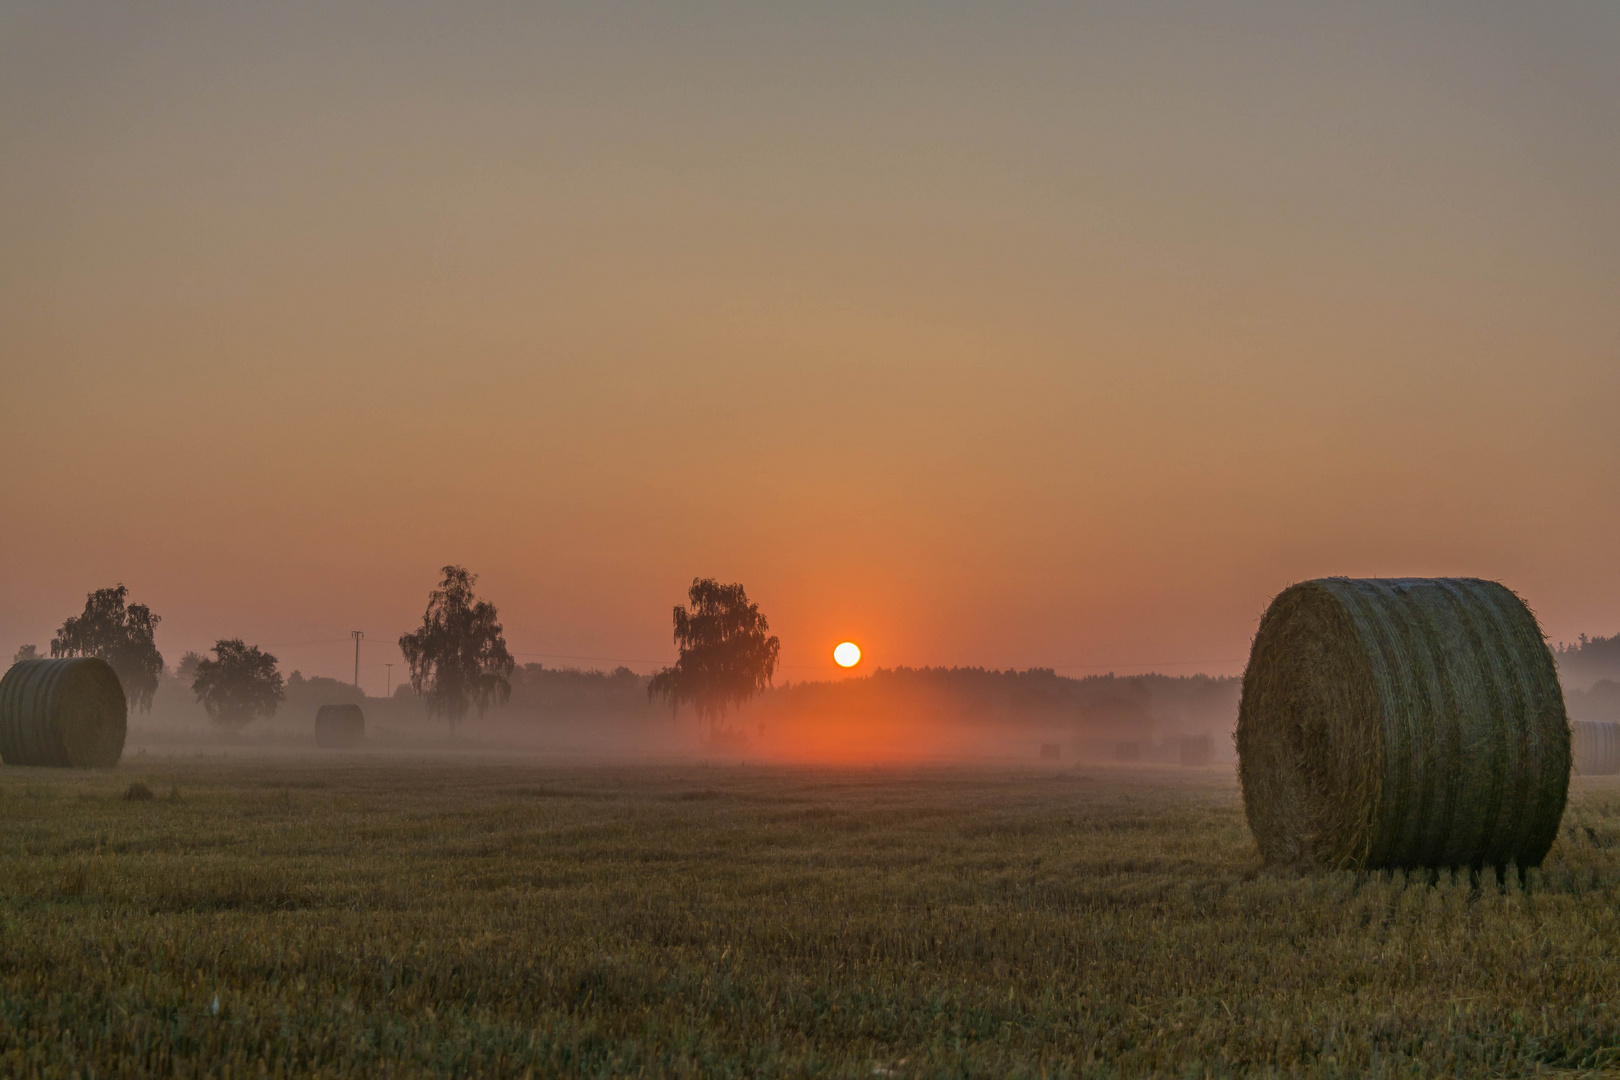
{"x": 1127, "y": 750}
{"x": 339, "y": 727}
{"x": 1051, "y": 751}
{"x": 1596, "y": 746}
{"x": 1197, "y": 750}
{"x": 138, "y": 792}
{"x": 67, "y": 713}
{"x": 1406, "y": 722}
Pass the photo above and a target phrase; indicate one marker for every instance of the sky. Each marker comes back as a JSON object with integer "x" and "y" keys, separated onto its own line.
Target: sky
{"x": 1014, "y": 334}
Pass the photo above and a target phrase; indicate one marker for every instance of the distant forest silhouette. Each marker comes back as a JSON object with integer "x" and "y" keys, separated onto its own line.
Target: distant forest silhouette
{"x": 458, "y": 661}
{"x": 1586, "y": 660}
{"x": 1152, "y": 709}
{"x": 1138, "y": 703}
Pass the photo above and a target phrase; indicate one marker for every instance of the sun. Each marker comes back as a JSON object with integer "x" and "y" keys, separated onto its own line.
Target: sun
{"x": 848, "y": 654}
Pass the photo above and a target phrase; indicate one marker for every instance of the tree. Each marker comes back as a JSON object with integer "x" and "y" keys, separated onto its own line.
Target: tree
{"x": 238, "y": 684}
{"x": 187, "y": 667}
{"x": 458, "y": 657}
{"x": 119, "y": 635}
{"x": 725, "y": 656}
{"x": 25, "y": 652}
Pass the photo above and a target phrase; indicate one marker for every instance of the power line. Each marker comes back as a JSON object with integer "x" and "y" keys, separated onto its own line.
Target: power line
{"x": 294, "y": 644}
{"x": 603, "y": 659}
{"x": 386, "y": 642}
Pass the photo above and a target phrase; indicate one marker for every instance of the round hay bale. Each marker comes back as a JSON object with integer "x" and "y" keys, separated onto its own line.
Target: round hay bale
{"x": 1597, "y": 747}
{"x": 1408, "y": 722}
{"x": 339, "y": 727}
{"x": 67, "y": 713}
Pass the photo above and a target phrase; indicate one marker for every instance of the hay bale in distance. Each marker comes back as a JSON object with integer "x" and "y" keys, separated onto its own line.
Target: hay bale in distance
{"x": 68, "y": 713}
{"x": 339, "y": 727}
{"x": 1596, "y": 746}
{"x": 1406, "y": 722}
{"x": 1197, "y": 750}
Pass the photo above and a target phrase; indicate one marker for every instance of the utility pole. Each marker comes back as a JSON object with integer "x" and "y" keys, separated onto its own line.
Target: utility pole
{"x": 389, "y": 691}
{"x": 357, "y": 636}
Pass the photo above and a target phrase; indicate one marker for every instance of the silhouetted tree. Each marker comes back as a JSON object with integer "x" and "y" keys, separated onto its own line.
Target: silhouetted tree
{"x": 187, "y": 667}
{"x": 238, "y": 684}
{"x": 458, "y": 658}
{"x": 25, "y": 652}
{"x": 119, "y": 635}
{"x": 725, "y": 656}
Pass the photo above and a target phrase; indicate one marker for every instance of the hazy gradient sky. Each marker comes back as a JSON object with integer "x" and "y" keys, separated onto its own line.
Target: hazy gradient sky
{"x": 1013, "y": 334}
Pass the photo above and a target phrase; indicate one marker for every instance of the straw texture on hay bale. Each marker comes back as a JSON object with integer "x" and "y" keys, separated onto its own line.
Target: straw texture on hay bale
{"x": 1407, "y": 722}
{"x": 339, "y": 726}
{"x": 1596, "y": 746}
{"x": 64, "y": 712}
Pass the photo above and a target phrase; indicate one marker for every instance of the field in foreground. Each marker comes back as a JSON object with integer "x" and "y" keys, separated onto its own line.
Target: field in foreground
{"x": 360, "y": 916}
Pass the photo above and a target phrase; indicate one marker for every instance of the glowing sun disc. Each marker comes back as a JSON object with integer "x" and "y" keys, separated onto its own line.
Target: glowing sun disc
{"x": 848, "y": 654}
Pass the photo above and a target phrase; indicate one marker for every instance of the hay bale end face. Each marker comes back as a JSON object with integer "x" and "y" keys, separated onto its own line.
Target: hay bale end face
{"x": 1596, "y": 747}
{"x": 1405, "y": 722}
{"x": 68, "y": 713}
{"x": 339, "y": 727}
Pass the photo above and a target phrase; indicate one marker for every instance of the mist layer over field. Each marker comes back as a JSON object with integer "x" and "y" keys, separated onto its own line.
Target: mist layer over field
{"x": 888, "y": 717}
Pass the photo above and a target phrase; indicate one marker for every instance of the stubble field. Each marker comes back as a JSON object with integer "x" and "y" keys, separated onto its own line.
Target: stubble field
{"x": 373, "y": 915}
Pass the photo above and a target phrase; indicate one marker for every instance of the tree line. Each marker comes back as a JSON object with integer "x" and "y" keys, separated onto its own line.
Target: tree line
{"x": 457, "y": 657}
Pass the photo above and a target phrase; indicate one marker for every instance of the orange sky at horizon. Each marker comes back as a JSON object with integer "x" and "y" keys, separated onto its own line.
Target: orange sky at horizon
{"x": 1025, "y": 338}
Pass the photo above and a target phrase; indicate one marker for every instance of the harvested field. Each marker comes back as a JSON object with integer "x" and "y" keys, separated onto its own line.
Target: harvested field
{"x": 372, "y": 915}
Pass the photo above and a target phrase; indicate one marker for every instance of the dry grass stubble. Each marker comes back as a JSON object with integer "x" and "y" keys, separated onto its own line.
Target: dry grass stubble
{"x": 361, "y": 917}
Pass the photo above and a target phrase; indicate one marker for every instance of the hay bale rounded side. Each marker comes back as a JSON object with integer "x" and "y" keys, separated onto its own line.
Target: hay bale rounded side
{"x": 1407, "y": 722}
{"x": 339, "y": 727}
{"x": 68, "y": 713}
{"x": 1596, "y": 747}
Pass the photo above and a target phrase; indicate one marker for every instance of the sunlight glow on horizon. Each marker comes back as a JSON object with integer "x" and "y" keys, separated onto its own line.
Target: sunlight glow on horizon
{"x": 847, "y": 654}
{"x": 1002, "y": 337}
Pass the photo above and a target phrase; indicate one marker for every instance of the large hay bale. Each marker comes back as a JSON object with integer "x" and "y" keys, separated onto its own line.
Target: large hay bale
{"x": 67, "y": 713}
{"x": 339, "y": 727}
{"x": 1407, "y": 722}
{"x": 1596, "y": 747}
